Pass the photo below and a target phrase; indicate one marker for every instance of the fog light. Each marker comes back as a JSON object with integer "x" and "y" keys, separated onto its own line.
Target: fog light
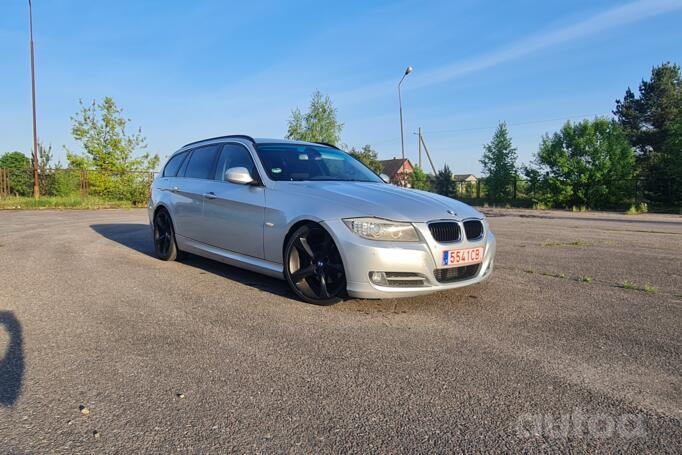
{"x": 378, "y": 278}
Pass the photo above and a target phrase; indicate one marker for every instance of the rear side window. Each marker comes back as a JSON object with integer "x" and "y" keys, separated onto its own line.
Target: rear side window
{"x": 234, "y": 155}
{"x": 201, "y": 162}
{"x": 171, "y": 169}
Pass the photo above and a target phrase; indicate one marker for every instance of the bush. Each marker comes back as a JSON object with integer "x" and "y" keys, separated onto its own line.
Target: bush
{"x": 133, "y": 187}
{"x": 541, "y": 206}
{"x": 47, "y": 183}
{"x": 20, "y": 181}
{"x": 643, "y": 207}
{"x": 67, "y": 182}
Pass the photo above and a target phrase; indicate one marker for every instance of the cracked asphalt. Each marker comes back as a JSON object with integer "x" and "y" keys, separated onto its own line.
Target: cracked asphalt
{"x": 553, "y": 353}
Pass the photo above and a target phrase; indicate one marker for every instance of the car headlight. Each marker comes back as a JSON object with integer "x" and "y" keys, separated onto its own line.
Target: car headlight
{"x": 378, "y": 229}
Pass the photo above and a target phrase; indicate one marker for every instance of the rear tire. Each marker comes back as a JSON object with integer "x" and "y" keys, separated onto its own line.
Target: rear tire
{"x": 313, "y": 267}
{"x": 165, "y": 246}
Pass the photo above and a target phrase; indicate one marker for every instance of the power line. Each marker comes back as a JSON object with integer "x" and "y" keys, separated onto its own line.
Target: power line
{"x": 480, "y": 128}
{"x": 531, "y": 122}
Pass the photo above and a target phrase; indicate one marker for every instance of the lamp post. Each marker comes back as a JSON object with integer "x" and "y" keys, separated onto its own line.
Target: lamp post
{"x": 400, "y": 102}
{"x": 36, "y": 186}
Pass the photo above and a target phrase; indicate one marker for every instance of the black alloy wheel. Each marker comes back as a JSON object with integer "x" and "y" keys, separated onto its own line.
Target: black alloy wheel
{"x": 164, "y": 236}
{"x": 313, "y": 266}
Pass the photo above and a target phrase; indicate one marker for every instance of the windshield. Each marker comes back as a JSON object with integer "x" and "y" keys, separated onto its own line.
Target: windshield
{"x": 305, "y": 162}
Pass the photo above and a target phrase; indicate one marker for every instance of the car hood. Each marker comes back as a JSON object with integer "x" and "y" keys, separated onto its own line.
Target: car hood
{"x": 380, "y": 200}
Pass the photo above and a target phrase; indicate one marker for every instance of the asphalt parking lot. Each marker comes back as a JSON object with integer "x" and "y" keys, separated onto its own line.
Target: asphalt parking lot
{"x": 575, "y": 343}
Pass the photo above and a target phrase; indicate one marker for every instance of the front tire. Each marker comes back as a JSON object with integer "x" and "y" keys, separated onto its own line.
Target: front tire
{"x": 164, "y": 237}
{"x": 313, "y": 267}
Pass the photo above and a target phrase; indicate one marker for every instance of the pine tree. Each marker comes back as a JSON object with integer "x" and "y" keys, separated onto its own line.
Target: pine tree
{"x": 444, "y": 184}
{"x": 649, "y": 122}
{"x": 499, "y": 165}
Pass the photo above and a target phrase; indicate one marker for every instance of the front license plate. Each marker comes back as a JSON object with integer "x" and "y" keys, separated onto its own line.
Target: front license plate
{"x": 454, "y": 258}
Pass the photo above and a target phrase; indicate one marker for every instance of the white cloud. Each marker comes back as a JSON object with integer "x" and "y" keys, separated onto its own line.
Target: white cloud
{"x": 612, "y": 18}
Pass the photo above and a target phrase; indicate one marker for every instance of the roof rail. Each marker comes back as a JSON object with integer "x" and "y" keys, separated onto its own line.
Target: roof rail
{"x": 327, "y": 144}
{"x": 236, "y": 136}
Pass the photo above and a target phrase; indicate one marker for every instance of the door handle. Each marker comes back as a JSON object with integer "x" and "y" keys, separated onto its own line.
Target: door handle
{"x": 210, "y": 195}
{"x": 174, "y": 189}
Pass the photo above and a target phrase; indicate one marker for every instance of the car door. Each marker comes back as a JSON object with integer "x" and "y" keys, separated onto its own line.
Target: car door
{"x": 233, "y": 212}
{"x": 188, "y": 191}
{"x": 169, "y": 176}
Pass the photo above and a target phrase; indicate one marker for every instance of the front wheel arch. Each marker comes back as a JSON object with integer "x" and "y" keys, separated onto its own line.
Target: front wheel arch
{"x": 326, "y": 285}
{"x": 293, "y": 229}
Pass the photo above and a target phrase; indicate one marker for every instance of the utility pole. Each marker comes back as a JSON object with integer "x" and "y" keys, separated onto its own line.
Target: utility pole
{"x": 428, "y": 155}
{"x": 36, "y": 185}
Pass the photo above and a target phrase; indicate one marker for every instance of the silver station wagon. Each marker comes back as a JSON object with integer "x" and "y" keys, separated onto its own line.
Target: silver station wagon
{"x": 316, "y": 217}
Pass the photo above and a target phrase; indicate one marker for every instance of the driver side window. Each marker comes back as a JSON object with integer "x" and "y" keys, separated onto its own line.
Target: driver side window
{"x": 234, "y": 155}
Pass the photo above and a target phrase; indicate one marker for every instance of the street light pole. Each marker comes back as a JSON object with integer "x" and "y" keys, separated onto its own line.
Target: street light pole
{"x": 420, "y": 148}
{"x": 36, "y": 186}
{"x": 400, "y": 102}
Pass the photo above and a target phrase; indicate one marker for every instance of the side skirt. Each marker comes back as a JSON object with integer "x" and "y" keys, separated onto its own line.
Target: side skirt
{"x": 228, "y": 257}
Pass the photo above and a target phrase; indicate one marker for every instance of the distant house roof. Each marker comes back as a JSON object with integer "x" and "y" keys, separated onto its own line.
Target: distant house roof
{"x": 392, "y": 167}
{"x": 464, "y": 177}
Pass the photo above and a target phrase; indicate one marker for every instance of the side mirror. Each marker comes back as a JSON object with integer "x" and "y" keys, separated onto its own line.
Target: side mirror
{"x": 385, "y": 178}
{"x": 239, "y": 175}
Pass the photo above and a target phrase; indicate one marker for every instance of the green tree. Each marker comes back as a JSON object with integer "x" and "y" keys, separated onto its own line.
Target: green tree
{"x": 420, "y": 180}
{"x": 535, "y": 183}
{"x": 122, "y": 171}
{"x": 319, "y": 124}
{"x": 499, "y": 164}
{"x": 20, "y": 170}
{"x": 44, "y": 158}
{"x": 589, "y": 163}
{"x": 368, "y": 156}
{"x": 648, "y": 121}
{"x": 444, "y": 183}
{"x": 15, "y": 160}
{"x": 671, "y": 161}
{"x": 46, "y": 174}
{"x": 101, "y": 130}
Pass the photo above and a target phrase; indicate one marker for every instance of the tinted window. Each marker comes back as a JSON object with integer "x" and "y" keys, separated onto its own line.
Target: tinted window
{"x": 311, "y": 162}
{"x": 171, "y": 169}
{"x": 183, "y": 168}
{"x": 201, "y": 162}
{"x": 234, "y": 155}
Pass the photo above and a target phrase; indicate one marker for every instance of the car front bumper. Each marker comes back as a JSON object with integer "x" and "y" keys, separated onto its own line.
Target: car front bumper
{"x": 409, "y": 259}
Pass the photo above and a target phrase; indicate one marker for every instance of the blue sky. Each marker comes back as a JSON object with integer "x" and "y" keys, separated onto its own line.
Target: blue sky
{"x": 192, "y": 69}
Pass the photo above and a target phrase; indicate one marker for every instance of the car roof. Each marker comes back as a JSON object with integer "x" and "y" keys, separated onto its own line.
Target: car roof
{"x": 260, "y": 140}
{"x": 270, "y": 140}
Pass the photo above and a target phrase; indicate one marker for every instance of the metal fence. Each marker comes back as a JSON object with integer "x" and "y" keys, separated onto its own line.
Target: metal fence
{"x": 4, "y": 182}
{"x": 132, "y": 187}
{"x": 661, "y": 195}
